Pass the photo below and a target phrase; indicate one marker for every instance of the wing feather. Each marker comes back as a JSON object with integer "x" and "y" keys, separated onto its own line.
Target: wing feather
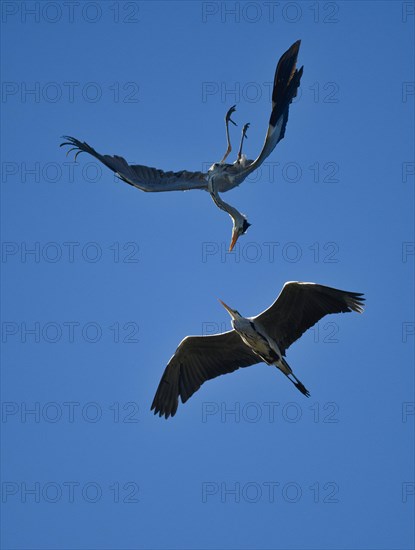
{"x": 198, "y": 359}
{"x": 300, "y": 306}
{"x": 286, "y": 82}
{"x": 143, "y": 177}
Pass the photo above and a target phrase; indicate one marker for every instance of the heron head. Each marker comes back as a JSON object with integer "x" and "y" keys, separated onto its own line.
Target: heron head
{"x": 232, "y": 312}
{"x": 240, "y": 227}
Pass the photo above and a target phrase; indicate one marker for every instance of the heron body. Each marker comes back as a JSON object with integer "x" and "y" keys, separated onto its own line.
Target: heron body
{"x": 221, "y": 176}
{"x": 255, "y": 336}
{"x": 257, "y": 339}
{"x": 265, "y": 337}
{"x": 224, "y": 174}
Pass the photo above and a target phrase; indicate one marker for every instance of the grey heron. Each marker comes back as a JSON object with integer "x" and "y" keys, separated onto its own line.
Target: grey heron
{"x": 221, "y": 176}
{"x": 265, "y": 337}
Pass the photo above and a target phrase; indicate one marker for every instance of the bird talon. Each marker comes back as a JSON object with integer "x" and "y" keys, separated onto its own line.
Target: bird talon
{"x": 229, "y": 114}
{"x": 72, "y": 149}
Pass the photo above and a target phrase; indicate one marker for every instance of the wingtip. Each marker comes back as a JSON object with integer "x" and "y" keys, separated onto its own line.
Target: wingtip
{"x": 294, "y": 48}
{"x": 357, "y": 302}
{"x": 161, "y": 412}
{"x": 360, "y": 308}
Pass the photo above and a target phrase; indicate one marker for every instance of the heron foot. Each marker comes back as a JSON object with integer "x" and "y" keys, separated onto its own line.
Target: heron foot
{"x": 299, "y": 385}
{"x": 245, "y": 128}
{"x": 302, "y": 388}
{"x": 229, "y": 114}
{"x": 244, "y": 136}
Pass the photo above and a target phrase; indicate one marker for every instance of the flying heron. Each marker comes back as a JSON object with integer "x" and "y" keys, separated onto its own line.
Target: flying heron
{"x": 265, "y": 337}
{"x": 220, "y": 177}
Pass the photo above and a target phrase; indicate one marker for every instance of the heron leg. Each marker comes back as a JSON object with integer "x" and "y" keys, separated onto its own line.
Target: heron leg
{"x": 227, "y": 120}
{"x": 244, "y": 130}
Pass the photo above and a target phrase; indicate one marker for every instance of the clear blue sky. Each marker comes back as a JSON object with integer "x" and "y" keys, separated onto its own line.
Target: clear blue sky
{"x": 118, "y": 277}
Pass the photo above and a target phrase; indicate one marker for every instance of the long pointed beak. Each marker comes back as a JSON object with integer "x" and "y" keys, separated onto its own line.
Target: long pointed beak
{"x": 228, "y": 309}
{"x": 233, "y": 241}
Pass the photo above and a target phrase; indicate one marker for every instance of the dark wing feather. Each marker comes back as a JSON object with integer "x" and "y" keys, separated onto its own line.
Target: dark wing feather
{"x": 300, "y": 306}
{"x": 142, "y": 177}
{"x": 286, "y": 82}
{"x": 197, "y": 359}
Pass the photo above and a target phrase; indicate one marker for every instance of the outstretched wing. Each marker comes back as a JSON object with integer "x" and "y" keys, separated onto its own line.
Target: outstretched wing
{"x": 300, "y": 306}
{"x": 197, "y": 359}
{"x": 286, "y": 82}
{"x": 142, "y": 177}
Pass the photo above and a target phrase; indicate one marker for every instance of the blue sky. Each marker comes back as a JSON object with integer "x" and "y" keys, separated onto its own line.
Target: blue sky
{"x": 116, "y": 278}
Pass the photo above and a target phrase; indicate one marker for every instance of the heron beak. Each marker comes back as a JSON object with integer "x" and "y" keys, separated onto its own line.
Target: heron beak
{"x": 228, "y": 309}
{"x": 234, "y": 239}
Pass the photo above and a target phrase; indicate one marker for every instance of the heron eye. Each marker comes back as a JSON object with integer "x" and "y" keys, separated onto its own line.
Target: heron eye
{"x": 245, "y": 226}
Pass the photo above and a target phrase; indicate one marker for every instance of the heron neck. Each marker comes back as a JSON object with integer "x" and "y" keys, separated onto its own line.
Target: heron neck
{"x": 233, "y": 212}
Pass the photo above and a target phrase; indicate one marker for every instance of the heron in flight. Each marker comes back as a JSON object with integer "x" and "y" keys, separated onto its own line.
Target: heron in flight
{"x": 265, "y": 337}
{"x": 221, "y": 176}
